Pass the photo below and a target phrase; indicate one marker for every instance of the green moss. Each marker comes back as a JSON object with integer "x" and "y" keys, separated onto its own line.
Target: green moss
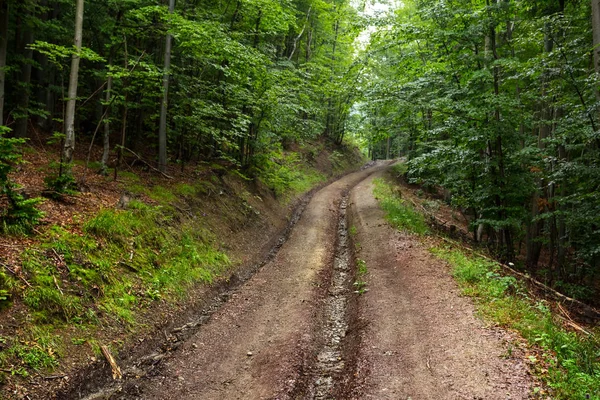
{"x": 185, "y": 189}
{"x": 162, "y": 194}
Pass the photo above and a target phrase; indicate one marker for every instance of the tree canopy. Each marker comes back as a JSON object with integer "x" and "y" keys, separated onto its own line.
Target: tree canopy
{"x": 496, "y": 102}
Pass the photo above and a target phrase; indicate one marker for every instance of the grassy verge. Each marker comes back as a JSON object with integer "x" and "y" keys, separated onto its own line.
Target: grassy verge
{"x": 287, "y": 174}
{"x": 102, "y": 275}
{"x": 399, "y": 214}
{"x": 567, "y": 362}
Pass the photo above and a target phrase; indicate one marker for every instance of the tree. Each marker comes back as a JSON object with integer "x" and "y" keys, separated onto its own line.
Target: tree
{"x": 69, "y": 145}
{"x": 162, "y": 133}
{"x": 3, "y": 49}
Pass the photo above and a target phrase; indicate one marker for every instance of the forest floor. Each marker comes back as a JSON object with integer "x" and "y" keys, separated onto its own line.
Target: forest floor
{"x": 347, "y": 308}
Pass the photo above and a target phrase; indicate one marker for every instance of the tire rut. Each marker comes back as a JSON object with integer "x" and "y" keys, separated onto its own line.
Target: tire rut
{"x": 257, "y": 313}
{"x": 330, "y": 362}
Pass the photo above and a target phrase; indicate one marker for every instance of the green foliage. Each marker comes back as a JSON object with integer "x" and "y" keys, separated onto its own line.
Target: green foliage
{"x": 285, "y": 175}
{"x": 20, "y": 214}
{"x": 38, "y": 350}
{"x": 359, "y": 284}
{"x": 401, "y": 215}
{"x": 508, "y": 128}
{"x": 573, "y": 361}
{"x": 123, "y": 259}
{"x": 60, "y": 180}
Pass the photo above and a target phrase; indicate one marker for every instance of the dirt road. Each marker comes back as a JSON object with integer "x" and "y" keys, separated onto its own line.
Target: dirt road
{"x": 422, "y": 340}
{"x": 297, "y": 330}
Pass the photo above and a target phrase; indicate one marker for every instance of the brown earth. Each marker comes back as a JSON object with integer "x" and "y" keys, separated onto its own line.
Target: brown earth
{"x": 422, "y": 339}
{"x": 411, "y": 336}
{"x": 246, "y": 217}
{"x": 262, "y": 341}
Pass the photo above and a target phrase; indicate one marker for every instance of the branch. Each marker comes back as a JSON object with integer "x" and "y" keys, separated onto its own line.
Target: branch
{"x": 9, "y": 269}
{"x": 300, "y": 35}
{"x": 147, "y": 164}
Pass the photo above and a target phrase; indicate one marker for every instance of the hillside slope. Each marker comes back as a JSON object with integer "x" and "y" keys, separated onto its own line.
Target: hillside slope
{"x": 111, "y": 265}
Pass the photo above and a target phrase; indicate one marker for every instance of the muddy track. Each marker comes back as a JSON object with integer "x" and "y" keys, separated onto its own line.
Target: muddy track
{"x": 246, "y": 330}
{"x": 293, "y": 327}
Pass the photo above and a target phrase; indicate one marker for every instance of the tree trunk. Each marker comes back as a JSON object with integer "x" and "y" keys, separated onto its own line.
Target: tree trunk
{"x": 106, "y": 141}
{"x": 124, "y": 114}
{"x": 387, "y": 147}
{"x": 596, "y": 34}
{"x": 162, "y": 130}
{"x": 3, "y": 48}
{"x": 295, "y": 43}
{"x": 69, "y": 145}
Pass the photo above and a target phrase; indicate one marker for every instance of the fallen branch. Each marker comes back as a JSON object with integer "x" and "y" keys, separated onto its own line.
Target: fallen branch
{"x": 147, "y": 164}
{"x": 51, "y": 377}
{"x": 15, "y": 274}
{"x": 12, "y": 246}
{"x": 589, "y": 311}
{"x": 570, "y": 321}
{"x": 116, "y": 371}
{"x": 56, "y": 284}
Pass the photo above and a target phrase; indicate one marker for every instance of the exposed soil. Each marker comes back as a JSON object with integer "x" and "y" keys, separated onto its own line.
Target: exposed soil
{"x": 249, "y": 221}
{"x": 296, "y": 330}
{"x": 262, "y": 342}
{"x": 421, "y": 338}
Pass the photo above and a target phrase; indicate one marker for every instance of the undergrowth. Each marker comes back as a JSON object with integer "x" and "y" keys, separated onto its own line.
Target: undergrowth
{"x": 398, "y": 213}
{"x": 286, "y": 174}
{"x": 120, "y": 261}
{"x": 570, "y": 363}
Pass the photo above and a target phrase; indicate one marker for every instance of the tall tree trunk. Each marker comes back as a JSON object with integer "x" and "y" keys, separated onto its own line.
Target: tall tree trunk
{"x": 3, "y": 48}
{"x": 69, "y": 145}
{"x": 124, "y": 114}
{"x": 162, "y": 130}
{"x": 330, "y": 117}
{"x": 387, "y": 147}
{"x": 295, "y": 43}
{"x": 24, "y": 84}
{"x": 107, "y": 100}
{"x": 596, "y": 34}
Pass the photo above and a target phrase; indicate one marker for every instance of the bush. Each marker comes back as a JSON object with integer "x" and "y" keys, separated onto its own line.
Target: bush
{"x": 60, "y": 181}
{"x": 21, "y": 213}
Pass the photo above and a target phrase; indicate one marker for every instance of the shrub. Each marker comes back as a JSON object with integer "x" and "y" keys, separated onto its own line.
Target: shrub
{"x": 21, "y": 213}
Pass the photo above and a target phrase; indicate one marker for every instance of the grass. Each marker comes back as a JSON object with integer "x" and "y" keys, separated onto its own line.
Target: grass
{"x": 37, "y": 350}
{"x": 569, "y": 363}
{"x": 286, "y": 175}
{"x": 399, "y": 169}
{"x": 399, "y": 214}
{"x": 118, "y": 263}
{"x": 361, "y": 271}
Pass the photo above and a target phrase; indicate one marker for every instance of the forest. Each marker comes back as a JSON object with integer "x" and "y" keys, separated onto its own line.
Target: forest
{"x": 494, "y": 104}
{"x": 182, "y": 82}
{"x": 204, "y": 116}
